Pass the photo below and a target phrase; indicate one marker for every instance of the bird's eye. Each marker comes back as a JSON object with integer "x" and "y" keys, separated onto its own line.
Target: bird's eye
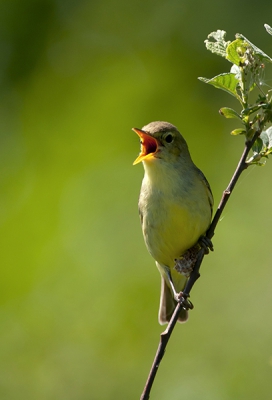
{"x": 169, "y": 138}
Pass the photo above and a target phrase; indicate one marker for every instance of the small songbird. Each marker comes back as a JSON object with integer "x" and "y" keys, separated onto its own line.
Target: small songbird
{"x": 175, "y": 206}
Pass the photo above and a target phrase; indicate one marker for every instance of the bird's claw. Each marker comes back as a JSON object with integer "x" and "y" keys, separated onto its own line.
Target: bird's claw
{"x": 184, "y": 301}
{"x": 206, "y": 244}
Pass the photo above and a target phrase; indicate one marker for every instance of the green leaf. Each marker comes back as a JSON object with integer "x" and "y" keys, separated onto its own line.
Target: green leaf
{"x": 229, "y": 113}
{"x": 236, "y": 71}
{"x": 268, "y": 29}
{"x": 257, "y": 146}
{"x": 227, "y": 82}
{"x": 268, "y": 133}
{"x": 239, "y": 131}
{"x": 218, "y": 45}
{"x": 263, "y": 145}
{"x": 265, "y": 139}
{"x": 253, "y": 109}
{"x": 236, "y": 51}
{"x": 257, "y": 51}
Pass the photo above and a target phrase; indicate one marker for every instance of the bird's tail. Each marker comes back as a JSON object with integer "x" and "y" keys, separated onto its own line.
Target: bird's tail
{"x": 168, "y": 305}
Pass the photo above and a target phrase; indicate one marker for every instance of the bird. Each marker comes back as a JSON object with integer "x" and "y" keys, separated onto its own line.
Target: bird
{"x": 175, "y": 207}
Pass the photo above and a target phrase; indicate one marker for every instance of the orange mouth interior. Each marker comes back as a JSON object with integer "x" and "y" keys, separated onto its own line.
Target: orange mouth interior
{"x": 149, "y": 146}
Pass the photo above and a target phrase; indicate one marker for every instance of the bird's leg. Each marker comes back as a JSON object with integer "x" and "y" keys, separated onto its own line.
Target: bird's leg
{"x": 205, "y": 243}
{"x": 186, "y": 304}
{"x": 168, "y": 273}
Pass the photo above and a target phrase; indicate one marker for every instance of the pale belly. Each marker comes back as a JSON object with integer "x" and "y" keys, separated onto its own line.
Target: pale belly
{"x": 175, "y": 211}
{"x": 171, "y": 230}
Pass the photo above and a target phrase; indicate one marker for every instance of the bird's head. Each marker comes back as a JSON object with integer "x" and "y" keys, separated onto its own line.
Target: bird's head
{"x": 160, "y": 140}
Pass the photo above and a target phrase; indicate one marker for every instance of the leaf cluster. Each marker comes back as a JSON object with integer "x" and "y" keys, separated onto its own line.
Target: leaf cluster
{"x": 244, "y": 81}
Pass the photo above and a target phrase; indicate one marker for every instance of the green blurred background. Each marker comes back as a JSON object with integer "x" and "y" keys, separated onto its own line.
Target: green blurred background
{"x": 79, "y": 292}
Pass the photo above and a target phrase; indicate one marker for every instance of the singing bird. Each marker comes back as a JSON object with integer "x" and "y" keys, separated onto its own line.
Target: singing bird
{"x": 175, "y": 207}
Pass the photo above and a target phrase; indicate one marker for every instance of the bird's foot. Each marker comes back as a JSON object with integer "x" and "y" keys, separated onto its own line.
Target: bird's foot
{"x": 186, "y": 303}
{"x": 205, "y": 243}
{"x": 180, "y": 297}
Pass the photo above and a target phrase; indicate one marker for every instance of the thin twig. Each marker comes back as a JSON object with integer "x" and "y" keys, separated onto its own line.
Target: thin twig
{"x": 165, "y": 336}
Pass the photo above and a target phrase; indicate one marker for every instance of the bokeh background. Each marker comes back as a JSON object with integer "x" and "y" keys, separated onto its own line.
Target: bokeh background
{"x": 79, "y": 293}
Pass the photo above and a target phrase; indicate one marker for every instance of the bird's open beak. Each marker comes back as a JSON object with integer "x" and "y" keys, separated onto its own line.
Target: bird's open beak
{"x": 149, "y": 146}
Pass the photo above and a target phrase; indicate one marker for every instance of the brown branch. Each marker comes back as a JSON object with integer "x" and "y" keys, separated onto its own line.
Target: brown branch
{"x": 184, "y": 303}
{"x": 165, "y": 336}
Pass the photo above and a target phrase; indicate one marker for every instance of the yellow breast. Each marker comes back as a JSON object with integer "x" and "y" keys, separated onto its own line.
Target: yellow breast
{"x": 175, "y": 213}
